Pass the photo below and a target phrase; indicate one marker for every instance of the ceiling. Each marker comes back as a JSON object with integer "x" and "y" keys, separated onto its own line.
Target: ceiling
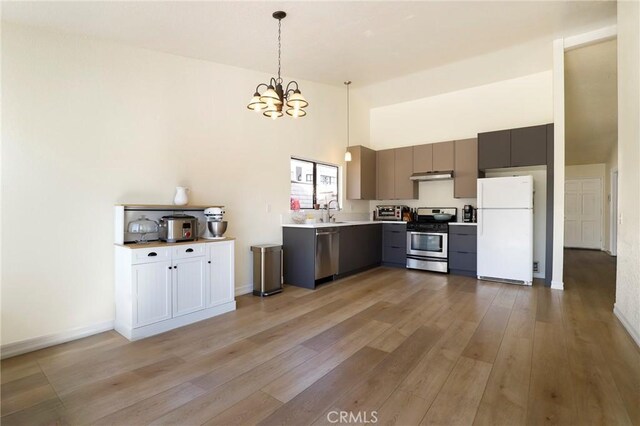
{"x": 324, "y": 41}
{"x": 591, "y": 103}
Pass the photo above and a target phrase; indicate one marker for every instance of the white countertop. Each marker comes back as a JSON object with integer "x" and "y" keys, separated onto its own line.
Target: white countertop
{"x": 340, "y": 223}
{"x": 463, "y": 223}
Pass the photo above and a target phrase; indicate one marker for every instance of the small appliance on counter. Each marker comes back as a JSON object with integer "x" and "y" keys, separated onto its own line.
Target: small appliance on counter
{"x": 428, "y": 239}
{"x": 468, "y": 214}
{"x": 394, "y": 213}
{"x": 178, "y": 227}
{"x": 141, "y": 227}
{"x": 215, "y": 226}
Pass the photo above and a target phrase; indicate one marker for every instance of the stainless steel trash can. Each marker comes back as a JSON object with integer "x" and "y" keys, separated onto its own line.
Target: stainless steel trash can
{"x": 267, "y": 269}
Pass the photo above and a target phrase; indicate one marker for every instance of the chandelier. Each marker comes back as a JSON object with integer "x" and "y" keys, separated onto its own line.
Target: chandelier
{"x": 275, "y": 98}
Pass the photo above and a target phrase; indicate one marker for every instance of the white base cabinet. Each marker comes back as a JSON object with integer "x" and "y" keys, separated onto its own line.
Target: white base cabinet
{"x": 162, "y": 288}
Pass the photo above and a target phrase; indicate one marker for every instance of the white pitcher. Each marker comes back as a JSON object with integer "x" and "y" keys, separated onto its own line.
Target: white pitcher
{"x": 181, "y": 198}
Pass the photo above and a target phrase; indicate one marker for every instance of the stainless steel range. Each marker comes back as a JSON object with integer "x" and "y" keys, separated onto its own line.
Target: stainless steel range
{"x": 428, "y": 239}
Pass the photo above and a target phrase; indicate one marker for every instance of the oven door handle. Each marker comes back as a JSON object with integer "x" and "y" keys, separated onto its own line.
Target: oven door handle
{"x": 427, "y": 233}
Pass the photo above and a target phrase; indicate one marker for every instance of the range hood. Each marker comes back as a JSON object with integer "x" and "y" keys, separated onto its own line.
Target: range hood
{"x": 432, "y": 175}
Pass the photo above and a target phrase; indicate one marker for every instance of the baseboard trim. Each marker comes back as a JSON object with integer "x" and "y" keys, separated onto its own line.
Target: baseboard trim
{"x": 245, "y": 289}
{"x": 557, "y": 285}
{"x": 627, "y": 325}
{"x": 30, "y": 345}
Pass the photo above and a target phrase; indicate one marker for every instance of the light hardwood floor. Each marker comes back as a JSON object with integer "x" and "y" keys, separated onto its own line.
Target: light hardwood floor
{"x": 413, "y": 347}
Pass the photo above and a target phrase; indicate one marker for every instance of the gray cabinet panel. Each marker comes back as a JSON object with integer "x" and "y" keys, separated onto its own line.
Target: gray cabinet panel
{"x": 405, "y": 188}
{"x": 361, "y": 174}
{"x": 443, "y": 156}
{"x": 299, "y": 249}
{"x": 394, "y": 244}
{"x": 529, "y": 146}
{"x": 465, "y": 170}
{"x": 494, "y": 149}
{"x": 463, "y": 229}
{"x": 423, "y": 158}
{"x": 463, "y": 243}
{"x": 385, "y": 160}
{"x": 360, "y": 247}
{"x": 463, "y": 261}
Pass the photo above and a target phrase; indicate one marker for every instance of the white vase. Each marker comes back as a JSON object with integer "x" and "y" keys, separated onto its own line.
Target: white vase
{"x": 181, "y": 198}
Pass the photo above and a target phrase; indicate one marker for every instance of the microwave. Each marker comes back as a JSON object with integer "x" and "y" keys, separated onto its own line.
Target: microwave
{"x": 390, "y": 212}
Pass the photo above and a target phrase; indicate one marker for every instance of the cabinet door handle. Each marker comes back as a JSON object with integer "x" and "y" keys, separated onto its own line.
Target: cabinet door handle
{"x": 153, "y": 253}
{"x": 209, "y": 262}
{"x": 395, "y": 247}
{"x": 175, "y": 267}
{"x": 170, "y": 267}
{"x": 189, "y": 250}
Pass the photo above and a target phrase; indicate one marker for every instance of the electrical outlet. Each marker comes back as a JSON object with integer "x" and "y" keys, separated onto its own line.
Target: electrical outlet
{"x": 536, "y": 266}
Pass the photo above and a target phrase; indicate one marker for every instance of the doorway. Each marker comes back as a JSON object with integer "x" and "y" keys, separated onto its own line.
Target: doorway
{"x": 583, "y": 213}
{"x": 613, "y": 216}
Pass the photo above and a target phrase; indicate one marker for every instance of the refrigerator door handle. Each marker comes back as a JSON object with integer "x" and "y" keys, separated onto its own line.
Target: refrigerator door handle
{"x": 480, "y": 188}
{"x": 480, "y": 221}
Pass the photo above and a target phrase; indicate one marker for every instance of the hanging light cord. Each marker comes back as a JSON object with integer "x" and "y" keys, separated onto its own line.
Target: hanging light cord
{"x": 348, "y": 109}
{"x": 279, "y": 49}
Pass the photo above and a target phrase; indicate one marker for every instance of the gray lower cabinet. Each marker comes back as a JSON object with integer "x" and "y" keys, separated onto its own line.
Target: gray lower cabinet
{"x": 358, "y": 249}
{"x": 394, "y": 244}
{"x": 463, "y": 250}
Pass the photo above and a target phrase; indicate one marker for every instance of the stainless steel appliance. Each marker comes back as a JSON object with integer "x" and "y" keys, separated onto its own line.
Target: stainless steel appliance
{"x": 178, "y": 227}
{"x": 215, "y": 226}
{"x": 391, "y": 212}
{"x": 267, "y": 269}
{"x": 468, "y": 214}
{"x": 327, "y": 247}
{"x": 428, "y": 239}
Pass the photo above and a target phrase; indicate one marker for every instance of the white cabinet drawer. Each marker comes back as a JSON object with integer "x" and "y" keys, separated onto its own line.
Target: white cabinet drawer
{"x": 188, "y": 250}
{"x": 151, "y": 254}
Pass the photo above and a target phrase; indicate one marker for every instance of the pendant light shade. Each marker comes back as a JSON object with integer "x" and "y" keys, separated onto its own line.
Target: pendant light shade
{"x": 296, "y": 100}
{"x": 256, "y": 104}
{"x": 276, "y": 97}
{"x": 347, "y": 155}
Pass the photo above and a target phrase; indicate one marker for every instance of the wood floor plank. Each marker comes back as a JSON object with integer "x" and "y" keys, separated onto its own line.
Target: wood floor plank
{"x": 402, "y": 408}
{"x": 457, "y": 402}
{"x": 310, "y": 404}
{"x": 486, "y": 340}
{"x": 249, "y": 411}
{"x": 298, "y": 379}
{"x": 551, "y": 396}
{"x": 214, "y": 402}
{"x": 369, "y": 395}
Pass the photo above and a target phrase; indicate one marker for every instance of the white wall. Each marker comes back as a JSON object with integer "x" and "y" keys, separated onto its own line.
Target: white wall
{"x": 611, "y": 165}
{"x": 519, "y": 102}
{"x": 87, "y": 124}
{"x": 627, "y": 305}
{"x": 596, "y": 171}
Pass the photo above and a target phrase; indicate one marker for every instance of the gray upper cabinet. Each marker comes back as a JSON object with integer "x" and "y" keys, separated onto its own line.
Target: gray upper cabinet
{"x": 529, "y": 146}
{"x": 443, "y": 156}
{"x": 404, "y": 187}
{"x": 465, "y": 172}
{"x": 423, "y": 158}
{"x": 494, "y": 150}
{"x": 361, "y": 174}
{"x": 385, "y": 160}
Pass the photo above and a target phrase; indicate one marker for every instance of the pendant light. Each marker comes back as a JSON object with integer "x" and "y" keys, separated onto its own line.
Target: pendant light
{"x": 275, "y": 98}
{"x": 347, "y": 154}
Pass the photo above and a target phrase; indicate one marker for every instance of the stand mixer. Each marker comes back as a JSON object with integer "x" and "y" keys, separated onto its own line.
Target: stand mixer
{"x": 215, "y": 226}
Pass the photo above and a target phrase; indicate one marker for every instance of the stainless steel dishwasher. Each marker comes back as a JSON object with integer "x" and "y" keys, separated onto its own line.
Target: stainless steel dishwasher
{"x": 327, "y": 247}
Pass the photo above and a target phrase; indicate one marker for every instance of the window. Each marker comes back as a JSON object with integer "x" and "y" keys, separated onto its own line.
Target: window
{"x": 313, "y": 183}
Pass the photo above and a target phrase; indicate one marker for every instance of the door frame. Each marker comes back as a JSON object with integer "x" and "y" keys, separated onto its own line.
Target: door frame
{"x": 613, "y": 213}
{"x": 602, "y": 219}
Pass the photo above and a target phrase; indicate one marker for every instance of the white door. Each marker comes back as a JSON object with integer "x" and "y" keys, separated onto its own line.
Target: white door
{"x": 151, "y": 293}
{"x": 189, "y": 278}
{"x": 583, "y": 213}
{"x": 221, "y": 281}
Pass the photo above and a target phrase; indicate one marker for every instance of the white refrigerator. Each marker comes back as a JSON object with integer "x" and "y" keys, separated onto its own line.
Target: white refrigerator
{"x": 505, "y": 229}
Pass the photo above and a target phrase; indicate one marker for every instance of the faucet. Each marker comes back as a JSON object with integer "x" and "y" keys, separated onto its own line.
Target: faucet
{"x": 328, "y": 207}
